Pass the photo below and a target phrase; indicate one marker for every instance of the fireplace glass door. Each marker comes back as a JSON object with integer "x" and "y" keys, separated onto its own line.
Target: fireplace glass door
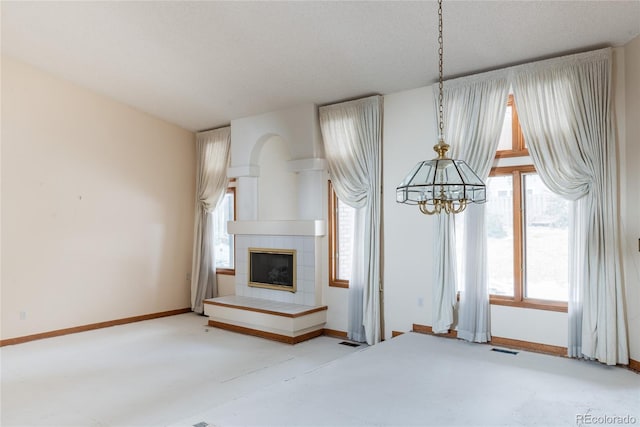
{"x": 272, "y": 269}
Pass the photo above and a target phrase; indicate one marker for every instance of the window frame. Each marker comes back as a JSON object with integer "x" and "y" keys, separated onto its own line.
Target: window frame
{"x": 333, "y": 240}
{"x": 231, "y": 189}
{"x": 518, "y": 299}
{"x": 518, "y": 146}
{"x": 519, "y": 150}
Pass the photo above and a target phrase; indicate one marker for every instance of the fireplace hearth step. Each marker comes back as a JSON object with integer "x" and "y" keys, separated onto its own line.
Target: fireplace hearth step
{"x": 275, "y": 320}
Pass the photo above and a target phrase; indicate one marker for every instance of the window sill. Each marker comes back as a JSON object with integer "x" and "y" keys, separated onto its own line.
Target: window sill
{"x": 512, "y": 153}
{"x": 226, "y": 271}
{"x": 535, "y": 304}
{"x": 530, "y": 303}
{"x": 339, "y": 284}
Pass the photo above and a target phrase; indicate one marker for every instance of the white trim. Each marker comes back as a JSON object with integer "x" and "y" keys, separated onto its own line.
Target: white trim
{"x": 315, "y": 227}
{"x": 312, "y": 164}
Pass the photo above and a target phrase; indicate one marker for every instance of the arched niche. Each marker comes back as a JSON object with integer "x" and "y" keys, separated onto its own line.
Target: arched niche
{"x": 277, "y": 186}
{"x": 298, "y": 126}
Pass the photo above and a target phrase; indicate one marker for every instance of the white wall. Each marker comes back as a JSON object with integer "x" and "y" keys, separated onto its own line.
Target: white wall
{"x": 631, "y": 193}
{"x": 97, "y": 207}
{"x": 277, "y": 186}
{"x": 525, "y": 324}
{"x": 295, "y": 128}
{"x": 409, "y": 135}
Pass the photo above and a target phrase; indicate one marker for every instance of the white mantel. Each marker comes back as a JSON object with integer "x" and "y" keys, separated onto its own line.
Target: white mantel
{"x": 315, "y": 228}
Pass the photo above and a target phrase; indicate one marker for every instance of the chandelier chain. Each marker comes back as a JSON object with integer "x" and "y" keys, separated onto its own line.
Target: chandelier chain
{"x": 443, "y": 185}
{"x": 440, "y": 83}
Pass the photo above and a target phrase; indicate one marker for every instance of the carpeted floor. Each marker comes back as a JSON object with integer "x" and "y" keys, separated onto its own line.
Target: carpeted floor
{"x": 175, "y": 371}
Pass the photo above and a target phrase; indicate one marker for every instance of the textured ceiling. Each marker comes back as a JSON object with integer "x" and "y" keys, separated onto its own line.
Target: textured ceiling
{"x": 202, "y": 64}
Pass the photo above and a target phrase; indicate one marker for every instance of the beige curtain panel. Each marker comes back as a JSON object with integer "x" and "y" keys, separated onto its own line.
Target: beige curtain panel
{"x": 212, "y": 156}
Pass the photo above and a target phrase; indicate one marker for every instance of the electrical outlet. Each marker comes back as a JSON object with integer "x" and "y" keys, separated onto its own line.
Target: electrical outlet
{"x": 188, "y": 277}
{"x": 23, "y": 315}
{"x": 420, "y": 301}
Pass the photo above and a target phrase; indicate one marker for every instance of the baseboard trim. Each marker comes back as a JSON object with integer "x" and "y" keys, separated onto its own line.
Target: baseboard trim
{"x": 396, "y": 333}
{"x": 268, "y": 335}
{"x": 335, "y": 333}
{"x": 529, "y": 346}
{"x": 92, "y": 326}
{"x": 634, "y": 365}
{"x": 500, "y": 341}
{"x": 424, "y": 329}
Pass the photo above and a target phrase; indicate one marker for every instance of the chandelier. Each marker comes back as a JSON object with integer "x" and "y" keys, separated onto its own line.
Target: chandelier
{"x": 441, "y": 185}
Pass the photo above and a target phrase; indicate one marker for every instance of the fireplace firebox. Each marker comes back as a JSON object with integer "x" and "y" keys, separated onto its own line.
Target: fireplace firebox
{"x": 272, "y": 269}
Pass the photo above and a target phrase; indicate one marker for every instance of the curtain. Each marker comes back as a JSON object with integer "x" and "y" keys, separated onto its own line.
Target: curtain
{"x": 212, "y": 161}
{"x": 474, "y": 111}
{"x": 443, "y": 300}
{"x": 352, "y": 135}
{"x": 565, "y": 107}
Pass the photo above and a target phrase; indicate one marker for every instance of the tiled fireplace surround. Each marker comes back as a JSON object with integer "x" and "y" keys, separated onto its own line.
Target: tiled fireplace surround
{"x": 305, "y": 267}
{"x": 289, "y": 317}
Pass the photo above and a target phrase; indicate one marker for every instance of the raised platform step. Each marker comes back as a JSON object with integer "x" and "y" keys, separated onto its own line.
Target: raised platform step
{"x": 279, "y": 321}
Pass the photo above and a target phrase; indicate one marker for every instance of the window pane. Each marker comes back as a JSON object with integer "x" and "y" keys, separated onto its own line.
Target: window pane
{"x": 499, "y": 217}
{"x": 344, "y": 240}
{"x": 506, "y": 136}
{"x": 223, "y": 242}
{"x": 546, "y": 242}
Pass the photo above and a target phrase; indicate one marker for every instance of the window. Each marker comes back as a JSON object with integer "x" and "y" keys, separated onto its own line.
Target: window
{"x": 527, "y": 230}
{"x": 341, "y": 218}
{"x": 512, "y": 143}
{"x": 224, "y": 244}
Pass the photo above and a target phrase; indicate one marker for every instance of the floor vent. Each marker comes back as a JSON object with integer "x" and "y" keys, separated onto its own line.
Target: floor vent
{"x": 502, "y": 350}
{"x": 350, "y": 344}
{"x": 201, "y": 424}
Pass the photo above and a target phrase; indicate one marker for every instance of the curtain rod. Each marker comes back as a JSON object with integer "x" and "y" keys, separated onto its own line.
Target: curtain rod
{"x": 214, "y": 128}
{"x": 547, "y": 62}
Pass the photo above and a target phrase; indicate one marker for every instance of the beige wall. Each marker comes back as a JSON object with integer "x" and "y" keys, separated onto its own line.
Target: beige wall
{"x": 97, "y": 207}
{"x": 631, "y": 193}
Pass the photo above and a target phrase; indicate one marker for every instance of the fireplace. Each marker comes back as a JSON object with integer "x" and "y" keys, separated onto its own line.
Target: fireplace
{"x": 272, "y": 269}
